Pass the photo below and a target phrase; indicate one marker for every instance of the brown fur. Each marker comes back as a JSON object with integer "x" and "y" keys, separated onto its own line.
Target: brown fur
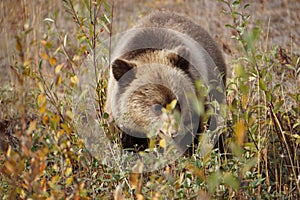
{"x": 186, "y": 26}
{"x": 153, "y": 64}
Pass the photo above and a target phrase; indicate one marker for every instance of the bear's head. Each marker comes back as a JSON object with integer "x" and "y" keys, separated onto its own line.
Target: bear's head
{"x": 144, "y": 83}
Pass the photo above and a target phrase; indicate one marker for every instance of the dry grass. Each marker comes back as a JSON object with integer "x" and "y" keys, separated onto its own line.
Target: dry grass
{"x": 45, "y": 47}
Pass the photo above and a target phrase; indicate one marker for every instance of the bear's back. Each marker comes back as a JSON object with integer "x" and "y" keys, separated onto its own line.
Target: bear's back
{"x": 188, "y": 27}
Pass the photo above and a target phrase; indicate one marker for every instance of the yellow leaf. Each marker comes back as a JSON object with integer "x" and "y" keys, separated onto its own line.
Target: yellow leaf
{"x": 32, "y": 127}
{"x": 41, "y": 87}
{"x": 8, "y": 152}
{"x": 45, "y": 119}
{"x": 152, "y": 143}
{"x": 42, "y": 182}
{"x": 68, "y": 161}
{"x": 69, "y": 181}
{"x": 172, "y": 105}
{"x": 52, "y": 61}
{"x": 140, "y": 197}
{"x": 76, "y": 58}
{"x": 18, "y": 45}
{"x": 70, "y": 114}
{"x": 244, "y": 100}
{"x": 162, "y": 143}
{"x": 41, "y": 99}
{"x": 42, "y": 103}
{"x": 60, "y": 133}
{"x": 68, "y": 171}
{"x": 42, "y": 108}
{"x": 55, "y": 119}
{"x": 74, "y": 80}
{"x": 46, "y": 44}
{"x": 22, "y": 194}
{"x": 58, "y": 80}
{"x": 44, "y": 55}
{"x": 240, "y": 130}
{"x": 55, "y": 179}
{"x": 27, "y": 63}
{"x": 58, "y": 68}
{"x": 66, "y": 128}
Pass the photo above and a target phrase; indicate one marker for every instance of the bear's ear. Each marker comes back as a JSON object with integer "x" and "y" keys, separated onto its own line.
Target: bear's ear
{"x": 121, "y": 67}
{"x": 180, "y": 58}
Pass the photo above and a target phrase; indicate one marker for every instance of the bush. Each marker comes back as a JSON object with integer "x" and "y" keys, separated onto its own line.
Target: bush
{"x": 47, "y": 141}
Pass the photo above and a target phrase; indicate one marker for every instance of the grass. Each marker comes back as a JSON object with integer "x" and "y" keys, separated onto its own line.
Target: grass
{"x": 50, "y": 148}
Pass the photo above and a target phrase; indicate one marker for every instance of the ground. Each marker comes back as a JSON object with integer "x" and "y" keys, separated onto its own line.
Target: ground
{"x": 43, "y": 49}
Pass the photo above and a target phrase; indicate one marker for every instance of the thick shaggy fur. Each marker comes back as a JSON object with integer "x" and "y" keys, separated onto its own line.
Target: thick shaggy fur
{"x": 157, "y": 61}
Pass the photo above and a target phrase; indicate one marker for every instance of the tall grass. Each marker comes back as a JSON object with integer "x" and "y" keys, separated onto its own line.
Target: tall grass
{"x": 44, "y": 156}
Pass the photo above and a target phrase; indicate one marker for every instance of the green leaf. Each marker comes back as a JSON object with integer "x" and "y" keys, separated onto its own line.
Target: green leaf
{"x": 231, "y": 181}
{"x": 262, "y": 85}
{"x": 294, "y": 126}
{"x": 213, "y": 181}
{"x": 290, "y": 67}
{"x": 236, "y": 149}
{"x": 257, "y": 182}
{"x": 87, "y": 4}
{"x": 229, "y": 26}
{"x": 105, "y": 115}
{"x": 235, "y": 3}
{"x": 40, "y": 64}
{"x": 246, "y": 6}
{"x": 269, "y": 96}
{"x": 105, "y": 26}
{"x": 248, "y": 165}
{"x": 105, "y": 18}
{"x": 107, "y": 6}
{"x": 278, "y": 105}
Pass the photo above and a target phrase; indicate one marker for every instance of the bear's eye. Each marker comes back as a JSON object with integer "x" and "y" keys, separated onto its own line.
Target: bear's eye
{"x": 156, "y": 109}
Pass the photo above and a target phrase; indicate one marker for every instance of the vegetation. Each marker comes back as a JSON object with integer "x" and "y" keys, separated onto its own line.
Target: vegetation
{"x": 47, "y": 135}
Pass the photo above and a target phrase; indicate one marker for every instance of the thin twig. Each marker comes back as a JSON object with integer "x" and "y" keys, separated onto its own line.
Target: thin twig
{"x": 282, "y": 137}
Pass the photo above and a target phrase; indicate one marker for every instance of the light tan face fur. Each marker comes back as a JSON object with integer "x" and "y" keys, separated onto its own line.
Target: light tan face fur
{"x": 149, "y": 88}
{"x": 147, "y": 102}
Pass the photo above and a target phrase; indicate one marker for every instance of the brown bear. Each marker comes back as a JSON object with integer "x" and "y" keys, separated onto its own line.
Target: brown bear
{"x": 160, "y": 60}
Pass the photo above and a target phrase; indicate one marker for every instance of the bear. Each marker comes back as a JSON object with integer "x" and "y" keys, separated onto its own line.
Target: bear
{"x": 159, "y": 61}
